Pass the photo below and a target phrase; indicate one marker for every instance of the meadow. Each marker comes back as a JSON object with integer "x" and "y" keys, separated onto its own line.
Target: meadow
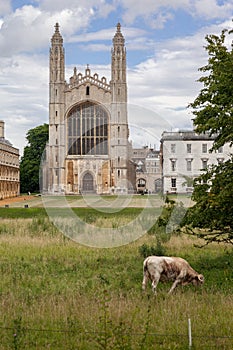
{"x": 58, "y": 294}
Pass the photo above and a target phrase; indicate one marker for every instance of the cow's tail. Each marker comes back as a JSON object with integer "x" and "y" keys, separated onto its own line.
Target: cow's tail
{"x": 146, "y": 275}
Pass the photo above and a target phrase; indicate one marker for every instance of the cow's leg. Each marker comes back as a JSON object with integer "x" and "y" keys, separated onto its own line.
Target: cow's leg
{"x": 176, "y": 282}
{"x": 155, "y": 281}
{"x": 145, "y": 280}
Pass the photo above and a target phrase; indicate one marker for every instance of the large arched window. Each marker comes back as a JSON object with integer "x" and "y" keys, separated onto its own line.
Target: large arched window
{"x": 88, "y": 130}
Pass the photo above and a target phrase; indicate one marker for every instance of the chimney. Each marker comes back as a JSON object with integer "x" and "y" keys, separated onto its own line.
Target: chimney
{"x": 2, "y": 129}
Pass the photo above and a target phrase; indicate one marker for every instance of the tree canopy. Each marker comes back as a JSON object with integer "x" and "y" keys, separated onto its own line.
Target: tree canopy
{"x": 213, "y": 107}
{"x": 212, "y": 215}
{"x": 30, "y": 161}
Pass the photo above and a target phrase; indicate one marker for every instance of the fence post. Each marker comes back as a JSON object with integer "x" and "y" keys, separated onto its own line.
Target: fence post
{"x": 190, "y": 333}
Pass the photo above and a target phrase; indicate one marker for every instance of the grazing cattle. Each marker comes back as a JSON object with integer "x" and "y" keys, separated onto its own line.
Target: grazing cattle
{"x": 163, "y": 268}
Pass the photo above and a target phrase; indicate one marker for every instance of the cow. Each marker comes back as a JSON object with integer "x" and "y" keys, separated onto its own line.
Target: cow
{"x": 163, "y": 268}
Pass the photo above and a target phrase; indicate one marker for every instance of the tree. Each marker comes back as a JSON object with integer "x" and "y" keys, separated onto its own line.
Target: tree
{"x": 211, "y": 216}
{"x": 213, "y": 108}
{"x": 30, "y": 162}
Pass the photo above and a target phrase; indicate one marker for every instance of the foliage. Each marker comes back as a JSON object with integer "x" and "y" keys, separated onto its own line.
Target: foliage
{"x": 30, "y": 161}
{"x": 213, "y": 193}
{"x": 169, "y": 219}
{"x": 147, "y": 250}
{"x": 213, "y": 110}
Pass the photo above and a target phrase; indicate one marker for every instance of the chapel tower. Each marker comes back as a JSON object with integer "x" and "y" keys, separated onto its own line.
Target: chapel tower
{"x": 119, "y": 118}
{"x": 56, "y": 113}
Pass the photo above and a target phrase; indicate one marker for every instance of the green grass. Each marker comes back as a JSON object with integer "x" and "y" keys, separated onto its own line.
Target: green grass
{"x": 21, "y": 212}
{"x": 56, "y": 294}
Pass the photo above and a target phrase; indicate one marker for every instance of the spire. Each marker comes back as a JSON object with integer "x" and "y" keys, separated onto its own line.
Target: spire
{"x": 57, "y": 38}
{"x": 56, "y": 28}
{"x": 118, "y": 37}
{"x": 57, "y": 60}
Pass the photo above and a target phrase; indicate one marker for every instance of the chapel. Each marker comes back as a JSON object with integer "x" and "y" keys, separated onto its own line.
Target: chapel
{"x": 88, "y": 149}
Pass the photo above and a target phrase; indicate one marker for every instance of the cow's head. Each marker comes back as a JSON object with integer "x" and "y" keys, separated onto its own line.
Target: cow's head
{"x": 199, "y": 279}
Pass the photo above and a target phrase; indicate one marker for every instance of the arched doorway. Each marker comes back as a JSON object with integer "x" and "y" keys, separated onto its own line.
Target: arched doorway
{"x": 88, "y": 183}
{"x": 141, "y": 186}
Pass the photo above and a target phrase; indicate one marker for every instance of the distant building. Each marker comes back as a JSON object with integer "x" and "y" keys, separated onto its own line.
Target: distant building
{"x": 9, "y": 167}
{"x": 88, "y": 150}
{"x": 148, "y": 170}
{"x": 185, "y": 155}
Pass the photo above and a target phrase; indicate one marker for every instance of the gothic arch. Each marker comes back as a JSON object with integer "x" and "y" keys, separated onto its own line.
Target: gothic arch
{"x": 87, "y": 184}
{"x": 88, "y": 129}
{"x": 141, "y": 185}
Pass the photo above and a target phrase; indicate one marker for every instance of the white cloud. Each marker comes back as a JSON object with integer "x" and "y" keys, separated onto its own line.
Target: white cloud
{"x": 167, "y": 83}
{"x": 157, "y": 13}
{"x": 28, "y": 28}
{"x": 23, "y": 95}
{"x": 5, "y": 7}
{"x": 212, "y": 9}
{"x": 148, "y": 8}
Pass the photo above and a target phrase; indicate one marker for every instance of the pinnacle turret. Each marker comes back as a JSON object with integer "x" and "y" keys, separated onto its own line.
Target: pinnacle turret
{"x": 57, "y": 38}
{"x": 118, "y": 37}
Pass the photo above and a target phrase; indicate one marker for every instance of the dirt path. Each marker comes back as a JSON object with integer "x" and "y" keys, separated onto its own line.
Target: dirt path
{"x": 9, "y": 201}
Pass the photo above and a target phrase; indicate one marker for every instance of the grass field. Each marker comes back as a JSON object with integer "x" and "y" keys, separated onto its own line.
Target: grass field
{"x": 57, "y": 294}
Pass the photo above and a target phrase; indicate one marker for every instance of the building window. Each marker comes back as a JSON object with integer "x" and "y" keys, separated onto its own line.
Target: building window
{"x": 189, "y": 148}
{"x": 173, "y": 183}
{"x": 173, "y": 148}
{"x": 87, "y": 126}
{"x": 118, "y": 173}
{"x": 189, "y": 164}
{"x": 204, "y": 163}
{"x": 88, "y": 90}
{"x": 173, "y": 165}
{"x": 204, "y": 148}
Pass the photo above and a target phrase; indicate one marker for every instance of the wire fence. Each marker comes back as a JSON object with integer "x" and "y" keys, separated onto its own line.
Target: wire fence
{"x": 24, "y": 338}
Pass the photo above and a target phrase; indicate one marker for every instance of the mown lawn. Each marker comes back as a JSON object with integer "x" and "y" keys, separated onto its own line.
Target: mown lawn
{"x": 57, "y": 294}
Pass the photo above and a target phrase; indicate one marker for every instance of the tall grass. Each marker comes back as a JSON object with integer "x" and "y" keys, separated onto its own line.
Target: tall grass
{"x": 60, "y": 295}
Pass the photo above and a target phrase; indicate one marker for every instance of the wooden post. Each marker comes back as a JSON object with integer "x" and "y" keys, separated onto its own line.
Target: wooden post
{"x": 190, "y": 333}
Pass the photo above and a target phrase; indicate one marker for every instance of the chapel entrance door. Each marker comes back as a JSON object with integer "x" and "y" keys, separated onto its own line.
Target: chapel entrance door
{"x": 88, "y": 183}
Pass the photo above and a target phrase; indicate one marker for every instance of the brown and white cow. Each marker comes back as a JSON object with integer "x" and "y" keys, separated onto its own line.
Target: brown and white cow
{"x": 163, "y": 268}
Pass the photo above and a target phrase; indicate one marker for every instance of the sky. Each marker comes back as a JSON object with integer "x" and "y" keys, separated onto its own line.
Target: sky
{"x": 164, "y": 39}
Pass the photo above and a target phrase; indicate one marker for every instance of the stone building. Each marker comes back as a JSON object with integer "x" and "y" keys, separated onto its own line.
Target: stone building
{"x": 9, "y": 167}
{"x": 148, "y": 170}
{"x": 88, "y": 149}
{"x": 184, "y": 156}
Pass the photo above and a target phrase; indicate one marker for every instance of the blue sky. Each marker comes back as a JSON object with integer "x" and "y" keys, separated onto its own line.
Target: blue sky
{"x": 164, "y": 41}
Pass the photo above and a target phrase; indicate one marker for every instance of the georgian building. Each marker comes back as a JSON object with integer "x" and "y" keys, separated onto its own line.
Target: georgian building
{"x": 185, "y": 155}
{"x": 9, "y": 167}
{"x": 88, "y": 149}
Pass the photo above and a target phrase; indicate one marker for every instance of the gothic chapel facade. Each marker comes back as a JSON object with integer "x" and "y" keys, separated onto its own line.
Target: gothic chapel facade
{"x": 88, "y": 149}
